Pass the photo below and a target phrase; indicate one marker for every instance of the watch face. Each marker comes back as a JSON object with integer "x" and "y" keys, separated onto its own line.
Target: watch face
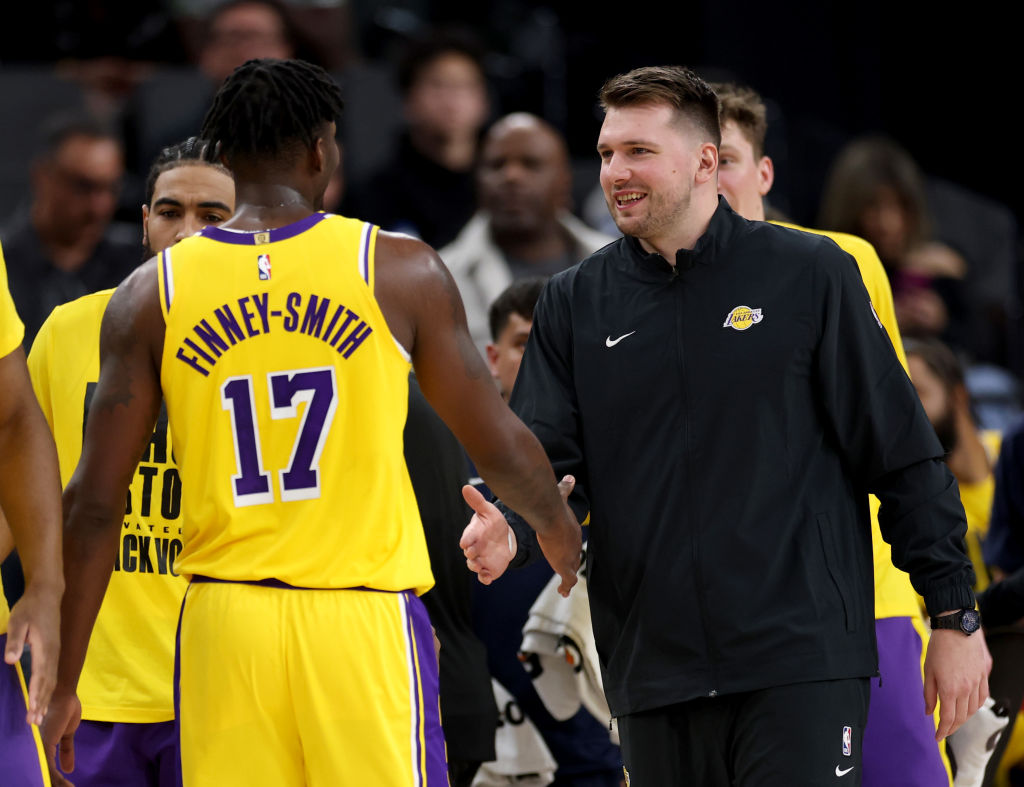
{"x": 971, "y": 621}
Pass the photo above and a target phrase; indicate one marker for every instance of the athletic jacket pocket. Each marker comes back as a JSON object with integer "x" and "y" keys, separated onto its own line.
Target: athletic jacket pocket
{"x": 836, "y": 571}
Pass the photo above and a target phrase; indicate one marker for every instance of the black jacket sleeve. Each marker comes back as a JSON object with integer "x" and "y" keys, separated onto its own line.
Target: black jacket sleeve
{"x": 544, "y": 398}
{"x": 888, "y": 444}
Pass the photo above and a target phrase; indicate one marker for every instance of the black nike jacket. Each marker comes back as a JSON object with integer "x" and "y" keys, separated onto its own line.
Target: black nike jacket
{"x": 725, "y": 420}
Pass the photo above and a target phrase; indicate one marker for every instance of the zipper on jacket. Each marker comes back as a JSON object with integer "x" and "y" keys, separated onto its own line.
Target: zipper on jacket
{"x": 688, "y": 459}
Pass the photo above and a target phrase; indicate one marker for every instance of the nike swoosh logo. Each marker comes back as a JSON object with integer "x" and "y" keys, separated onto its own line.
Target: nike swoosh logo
{"x": 843, "y": 773}
{"x": 610, "y": 342}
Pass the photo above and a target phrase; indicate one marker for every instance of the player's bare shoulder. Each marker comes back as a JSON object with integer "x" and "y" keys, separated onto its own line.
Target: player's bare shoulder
{"x": 134, "y": 314}
{"x": 412, "y": 283}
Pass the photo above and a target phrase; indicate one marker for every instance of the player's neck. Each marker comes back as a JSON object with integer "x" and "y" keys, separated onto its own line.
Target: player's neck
{"x": 267, "y": 205}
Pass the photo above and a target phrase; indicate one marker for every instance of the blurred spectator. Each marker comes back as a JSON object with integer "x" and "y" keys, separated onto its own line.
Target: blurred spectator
{"x": 876, "y": 190}
{"x": 64, "y": 245}
{"x": 171, "y": 105}
{"x": 581, "y": 745}
{"x": 427, "y": 188}
{"x": 970, "y": 452}
{"x": 241, "y": 30}
{"x": 523, "y": 226}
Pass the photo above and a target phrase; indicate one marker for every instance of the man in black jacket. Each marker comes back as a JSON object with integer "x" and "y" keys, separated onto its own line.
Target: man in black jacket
{"x": 726, "y": 399}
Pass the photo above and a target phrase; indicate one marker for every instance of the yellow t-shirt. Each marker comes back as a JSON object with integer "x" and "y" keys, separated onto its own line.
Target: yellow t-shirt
{"x": 11, "y": 333}
{"x": 894, "y": 595}
{"x": 977, "y": 501}
{"x": 287, "y": 397}
{"x": 129, "y": 667}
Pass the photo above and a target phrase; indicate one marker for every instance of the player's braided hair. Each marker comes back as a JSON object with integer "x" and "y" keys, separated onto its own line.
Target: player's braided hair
{"x": 268, "y": 106}
{"x": 192, "y": 151}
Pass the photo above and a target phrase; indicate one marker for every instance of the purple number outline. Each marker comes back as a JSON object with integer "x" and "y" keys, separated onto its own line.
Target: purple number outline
{"x": 318, "y": 388}
{"x": 251, "y": 485}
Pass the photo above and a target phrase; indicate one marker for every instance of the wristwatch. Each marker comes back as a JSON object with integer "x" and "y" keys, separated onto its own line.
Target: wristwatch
{"x": 966, "y": 620}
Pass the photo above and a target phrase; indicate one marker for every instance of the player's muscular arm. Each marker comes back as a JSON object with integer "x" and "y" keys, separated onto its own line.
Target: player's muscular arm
{"x": 30, "y": 499}
{"x": 424, "y": 311}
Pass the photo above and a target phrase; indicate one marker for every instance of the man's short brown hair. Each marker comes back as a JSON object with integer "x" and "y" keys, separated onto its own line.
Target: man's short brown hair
{"x": 744, "y": 107}
{"x": 677, "y": 86}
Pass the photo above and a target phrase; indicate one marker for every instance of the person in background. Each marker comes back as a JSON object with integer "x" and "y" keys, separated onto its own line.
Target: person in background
{"x": 427, "y": 190}
{"x": 128, "y": 733}
{"x": 65, "y": 245}
{"x": 522, "y": 226}
{"x": 876, "y": 191}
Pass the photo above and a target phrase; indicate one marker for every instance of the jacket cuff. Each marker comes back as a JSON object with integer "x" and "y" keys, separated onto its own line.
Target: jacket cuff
{"x": 949, "y": 597}
{"x": 527, "y": 547}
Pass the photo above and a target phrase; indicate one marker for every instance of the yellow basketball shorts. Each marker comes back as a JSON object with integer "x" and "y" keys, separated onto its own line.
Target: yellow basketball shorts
{"x": 290, "y": 686}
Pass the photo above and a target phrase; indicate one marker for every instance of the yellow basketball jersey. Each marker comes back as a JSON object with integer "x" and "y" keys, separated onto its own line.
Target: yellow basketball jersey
{"x": 129, "y": 667}
{"x": 287, "y": 397}
{"x": 11, "y": 333}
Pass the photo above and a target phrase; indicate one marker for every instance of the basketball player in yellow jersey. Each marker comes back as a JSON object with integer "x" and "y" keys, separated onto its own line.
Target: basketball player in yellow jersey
{"x": 282, "y": 343}
{"x": 899, "y": 744}
{"x": 29, "y": 497}
{"x": 128, "y": 735}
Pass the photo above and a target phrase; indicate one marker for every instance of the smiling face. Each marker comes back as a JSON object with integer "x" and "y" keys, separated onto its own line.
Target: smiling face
{"x": 743, "y": 179}
{"x": 186, "y": 199}
{"x": 649, "y": 158}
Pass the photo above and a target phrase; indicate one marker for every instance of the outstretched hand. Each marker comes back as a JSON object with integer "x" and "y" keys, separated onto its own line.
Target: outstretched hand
{"x": 489, "y": 544}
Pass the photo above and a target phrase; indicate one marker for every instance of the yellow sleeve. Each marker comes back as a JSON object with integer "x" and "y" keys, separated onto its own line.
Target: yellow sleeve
{"x": 39, "y": 369}
{"x": 877, "y": 284}
{"x": 12, "y": 331}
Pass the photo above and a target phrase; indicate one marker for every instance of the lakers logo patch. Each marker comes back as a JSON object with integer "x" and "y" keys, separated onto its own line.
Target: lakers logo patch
{"x": 263, "y": 267}
{"x": 742, "y": 317}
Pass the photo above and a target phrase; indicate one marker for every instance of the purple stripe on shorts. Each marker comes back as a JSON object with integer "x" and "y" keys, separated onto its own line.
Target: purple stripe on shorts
{"x": 899, "y": 740}
{"x": 19, "y": 757}
{"x": 423, "y": 635}
{"x": 240, "y": 238}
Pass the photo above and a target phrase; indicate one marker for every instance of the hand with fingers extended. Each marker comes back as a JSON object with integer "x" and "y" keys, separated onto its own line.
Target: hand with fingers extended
{"x": 35, "y": 621}
{"x": 956, "y": 672}
{"x": 489, "y": 544}
{"x": 58, "y": 734}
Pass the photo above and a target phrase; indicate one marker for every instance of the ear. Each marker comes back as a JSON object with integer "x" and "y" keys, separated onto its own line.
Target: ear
{"x": 492, "y": 359}
{"x": 765, "y": 175}
{"x": 707, "y": 163}
{"x": 145, "y": 225}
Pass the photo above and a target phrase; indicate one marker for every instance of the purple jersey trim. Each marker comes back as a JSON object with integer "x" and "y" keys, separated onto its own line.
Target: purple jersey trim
{"x": 165, "y": 260}
{"x": 241, "y": 238}
{"x": 277, "y": 583}
{"x": 364, "y": 257}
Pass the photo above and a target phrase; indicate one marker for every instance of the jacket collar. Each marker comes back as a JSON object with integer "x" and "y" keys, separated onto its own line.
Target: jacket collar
{"x": 725, "y": 224}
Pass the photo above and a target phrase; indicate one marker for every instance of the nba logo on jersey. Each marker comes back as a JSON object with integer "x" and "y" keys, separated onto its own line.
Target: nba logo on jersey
{"x": 263, "y": 265}
{"x": 847, "y": 741}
